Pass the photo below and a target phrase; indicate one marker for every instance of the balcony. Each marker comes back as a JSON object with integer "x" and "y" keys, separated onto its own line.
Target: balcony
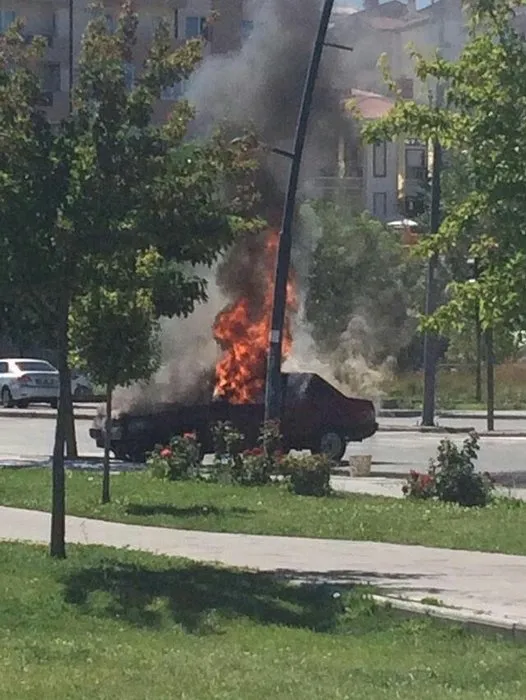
{"x": 48, "y": 38}
{"x": 343, "y": 189}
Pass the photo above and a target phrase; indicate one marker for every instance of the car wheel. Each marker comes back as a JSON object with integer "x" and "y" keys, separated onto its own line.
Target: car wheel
{"x": 81, "y": 392}
{"x": 6, "y": 398}
{"x": 22, "y": 404}
{"x": 54, "y": 403}
{"x": 332, "y": 444}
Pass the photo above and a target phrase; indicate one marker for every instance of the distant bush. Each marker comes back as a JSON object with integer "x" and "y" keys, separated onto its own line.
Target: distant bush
{"x": 252, "y": 467}
{"x": 452, "y": 477}
{"x": 258, "y": 466}
{"x": 308, "y": 475}
{"x": 420, "y": 485}
{"x": 181, "y": 459}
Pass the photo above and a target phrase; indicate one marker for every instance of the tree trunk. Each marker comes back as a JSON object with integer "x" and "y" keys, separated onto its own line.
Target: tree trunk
{"x": 490, "y": 379}
{"x": 58, "y": 501}
{"x": 107, "y": 446}
{"x": 71, "y": 438}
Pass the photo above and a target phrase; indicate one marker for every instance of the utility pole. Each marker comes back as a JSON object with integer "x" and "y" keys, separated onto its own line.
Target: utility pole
{"x": 71, "y": 57}
{"x": 430, "y": 339}
{"x": 273, "y": 389}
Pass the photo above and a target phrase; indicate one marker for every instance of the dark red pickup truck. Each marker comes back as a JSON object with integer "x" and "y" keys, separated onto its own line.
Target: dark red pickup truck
{"x": 315, "y": 417}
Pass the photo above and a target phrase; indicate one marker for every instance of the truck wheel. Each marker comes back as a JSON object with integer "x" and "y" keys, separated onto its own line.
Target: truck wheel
{"x": 332, "y": 444}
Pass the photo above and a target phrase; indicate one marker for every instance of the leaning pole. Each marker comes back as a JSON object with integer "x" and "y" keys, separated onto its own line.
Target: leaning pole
{"x": 273, "y": 389}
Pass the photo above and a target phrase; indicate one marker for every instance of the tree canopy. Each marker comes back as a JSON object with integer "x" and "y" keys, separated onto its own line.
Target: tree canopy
{"x": 362, "y": 271}
{"x": 482, "y": 121}
{"x": 82, "y": 200}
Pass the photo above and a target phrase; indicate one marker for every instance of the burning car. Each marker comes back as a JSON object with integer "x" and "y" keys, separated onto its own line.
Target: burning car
{"x": 315, "y": 416}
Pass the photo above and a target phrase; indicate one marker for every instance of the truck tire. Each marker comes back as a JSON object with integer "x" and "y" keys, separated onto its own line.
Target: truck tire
{"x": 332, "y": 444}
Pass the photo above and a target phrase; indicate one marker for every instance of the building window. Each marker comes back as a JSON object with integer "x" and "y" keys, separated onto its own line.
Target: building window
{"x": 176, "y": 24}
{"x": 380, "y": 159}
{"x": 111, "y": 23}
{"x": 380, "y": 205}
{"x": 414, "y": 206}
{"x": 51, "y": 77}
{"x": 7, "y": 17}
{"x": 173, "y": 92}
{"x": 129, "y": 76}
{"x": 247, "y": 27}
{"x": 415, "y": 164}
{"x": 195, "y": 27}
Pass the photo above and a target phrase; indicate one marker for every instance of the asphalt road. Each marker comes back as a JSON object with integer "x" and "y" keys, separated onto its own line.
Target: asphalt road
{"x": 32, "y": 439}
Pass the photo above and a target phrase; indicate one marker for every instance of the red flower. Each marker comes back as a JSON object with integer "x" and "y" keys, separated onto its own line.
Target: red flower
{"x": 166, "y": 453}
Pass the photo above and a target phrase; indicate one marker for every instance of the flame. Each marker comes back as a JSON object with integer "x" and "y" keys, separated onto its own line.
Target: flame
{"x": 242, "y": 331}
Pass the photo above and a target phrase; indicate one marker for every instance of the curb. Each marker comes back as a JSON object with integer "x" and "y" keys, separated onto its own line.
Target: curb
{"x": 424, "y": 429}
{"x": 473, "y": 622}
{"x": 457, "y": 415}
{"x": 21, "y": 413}
{"x": 448, "y": 430}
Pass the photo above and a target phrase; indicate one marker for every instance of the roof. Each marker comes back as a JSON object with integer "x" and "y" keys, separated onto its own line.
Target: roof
{"x": 23, "y": 359}
{"x": 369, "y": 104}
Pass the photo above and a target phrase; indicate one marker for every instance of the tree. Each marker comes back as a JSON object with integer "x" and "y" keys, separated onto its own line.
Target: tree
{"x": 108, "y": 183}
{"x": 360, "y": 269}
{"x": 114, "y": 335}
{"x": 481, "y": 123}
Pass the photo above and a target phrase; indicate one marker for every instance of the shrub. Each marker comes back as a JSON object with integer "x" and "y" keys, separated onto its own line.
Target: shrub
{"x": 308, "y": 475}
{"x": 452, "y": 477}
{"x": 228, "y": 448}
{"x": 252, "y": 467}
{"x": 456, "y": 480}
{"x": 180, "y": 460}
{"x": 420, "y": 485}
{"x": 260, "y": 463}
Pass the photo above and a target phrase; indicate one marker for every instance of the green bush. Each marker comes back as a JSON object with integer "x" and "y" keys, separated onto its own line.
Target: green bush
{"x": 308, "y": 475}
{"x": 420, "y": 485}
{"x": 252, "y": 467}
{"x": 228, "y": 448}
{"x": 456, "y": 480}
{"x": 452, "y": 477}
{"x": 181, "y": 459}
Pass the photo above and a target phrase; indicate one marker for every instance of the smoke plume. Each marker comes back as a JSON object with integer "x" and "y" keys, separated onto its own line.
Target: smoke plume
{"x": 260, "y": 87}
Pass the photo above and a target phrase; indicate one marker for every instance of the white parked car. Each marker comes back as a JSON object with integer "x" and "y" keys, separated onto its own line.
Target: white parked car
{"x": 81, "y": 386}
{"x": 24, "y": 381}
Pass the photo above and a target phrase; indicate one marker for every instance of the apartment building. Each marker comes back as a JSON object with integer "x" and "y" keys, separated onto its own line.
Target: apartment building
{"x": 186, "y": 18}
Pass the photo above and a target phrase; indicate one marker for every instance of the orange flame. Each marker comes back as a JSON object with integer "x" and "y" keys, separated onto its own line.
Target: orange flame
{"x": 243, "y": 332}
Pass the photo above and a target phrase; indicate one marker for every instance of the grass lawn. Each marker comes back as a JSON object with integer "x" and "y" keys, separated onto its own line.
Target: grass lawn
{"x": 109, "y": 624}
{"x": 456, "y": 388}
{"x": 272, "y": 510}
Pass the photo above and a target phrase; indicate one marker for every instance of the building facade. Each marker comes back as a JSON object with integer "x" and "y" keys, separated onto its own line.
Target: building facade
{"x": 387, "y": 178}
{"x": 186, "y": 19}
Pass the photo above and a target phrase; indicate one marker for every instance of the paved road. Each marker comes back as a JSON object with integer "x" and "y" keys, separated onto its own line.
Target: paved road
{"x": 475, "y": 419}
{"x": 30, "y": 438}
{"x": 477, "y": 583}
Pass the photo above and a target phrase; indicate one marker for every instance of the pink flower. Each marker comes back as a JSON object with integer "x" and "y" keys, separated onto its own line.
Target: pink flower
{"x": 166, "y": 453}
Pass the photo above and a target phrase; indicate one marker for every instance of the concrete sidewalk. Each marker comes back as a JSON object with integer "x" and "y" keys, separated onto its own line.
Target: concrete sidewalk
{"x": 391, "y": 487}
{"x": 487, "y": 586}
